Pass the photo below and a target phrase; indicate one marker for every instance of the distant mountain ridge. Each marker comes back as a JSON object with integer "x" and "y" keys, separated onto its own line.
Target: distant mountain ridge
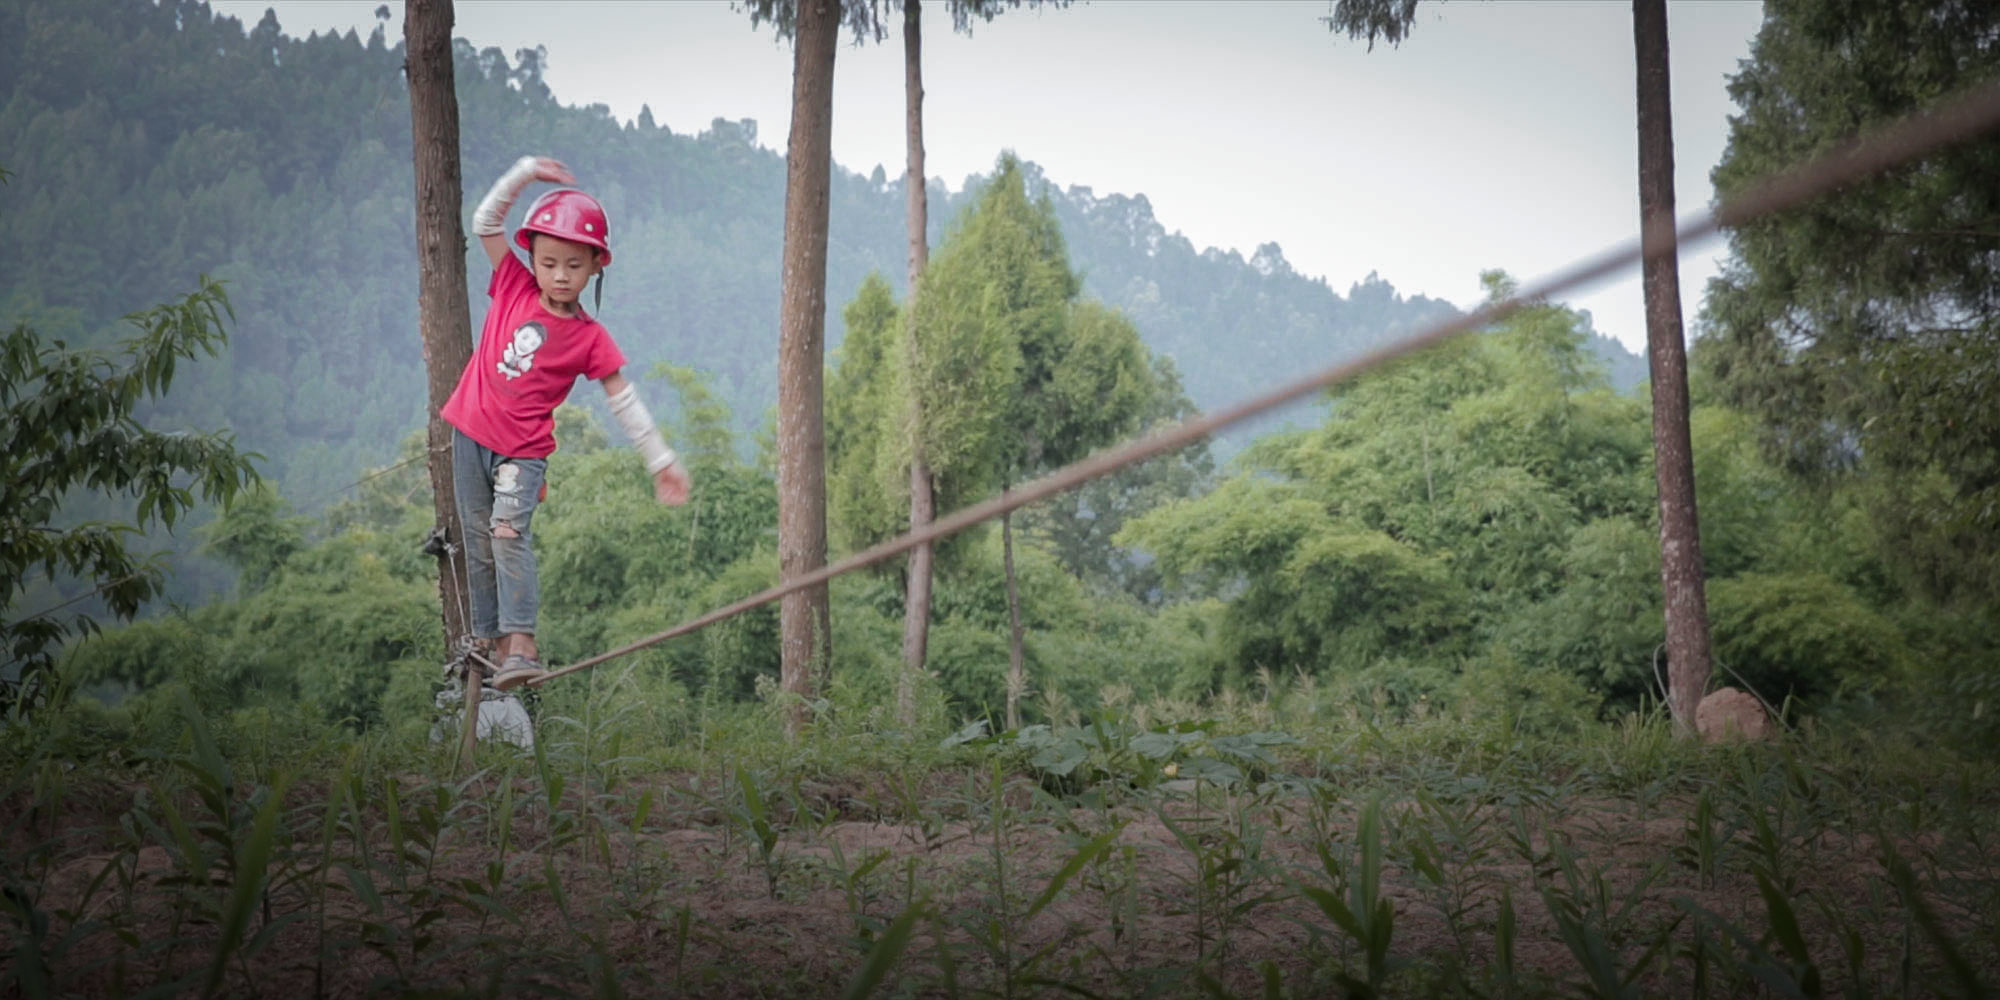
{"x": 158, "y": 141}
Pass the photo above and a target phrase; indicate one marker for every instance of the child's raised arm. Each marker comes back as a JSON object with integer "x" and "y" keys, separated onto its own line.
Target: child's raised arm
{"x": 489, "y": 220}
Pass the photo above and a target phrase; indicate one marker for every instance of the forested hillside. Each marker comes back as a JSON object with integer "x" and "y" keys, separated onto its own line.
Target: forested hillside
{"x": 1376, "y": 709}
{"x": 158, "y": 142}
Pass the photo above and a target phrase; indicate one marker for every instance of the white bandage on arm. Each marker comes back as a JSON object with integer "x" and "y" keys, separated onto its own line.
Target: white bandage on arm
{"x": 640, "y": 428}
{"x": 490, "y": 218}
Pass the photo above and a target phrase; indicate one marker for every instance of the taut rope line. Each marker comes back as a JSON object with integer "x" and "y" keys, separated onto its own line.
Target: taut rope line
{"x": 1906, "y": 140}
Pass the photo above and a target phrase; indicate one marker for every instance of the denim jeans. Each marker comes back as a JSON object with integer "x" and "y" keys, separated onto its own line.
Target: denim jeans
{"x": 495, "y": 490}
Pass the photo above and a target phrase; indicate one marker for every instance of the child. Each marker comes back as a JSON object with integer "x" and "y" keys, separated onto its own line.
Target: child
{"x": 536, "y": 341}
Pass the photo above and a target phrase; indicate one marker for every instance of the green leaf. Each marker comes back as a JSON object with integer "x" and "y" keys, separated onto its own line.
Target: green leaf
{"x": 1784, "y": 923}
{"x": 363, "y": 886}
{"x": 1211, "y": 770}
{"x": 882, "y": 957}
{"x": 1155, "y": 745}
{"x": 1336, "y": 910}
{"x": 208, "y": 763}
{"x": 971, "y": 732}
{"x": 252, "y": 874}
{"x": 1062, "y": 758}
{"x": 1913, "y": 897}
{"x": 1090, "y": 851}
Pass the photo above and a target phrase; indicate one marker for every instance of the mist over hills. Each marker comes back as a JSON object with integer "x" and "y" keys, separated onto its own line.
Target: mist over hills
{"x": 158, "y": 142}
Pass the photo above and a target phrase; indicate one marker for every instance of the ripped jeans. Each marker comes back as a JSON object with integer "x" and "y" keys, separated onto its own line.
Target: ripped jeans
{"x": 497, "y": 497}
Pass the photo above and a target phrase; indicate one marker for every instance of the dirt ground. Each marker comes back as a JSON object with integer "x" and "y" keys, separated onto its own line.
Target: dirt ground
{"x": 505, "y": 894}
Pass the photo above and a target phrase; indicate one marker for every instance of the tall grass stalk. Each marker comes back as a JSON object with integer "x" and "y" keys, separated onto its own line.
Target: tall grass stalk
{"x": 1365, "y": 915}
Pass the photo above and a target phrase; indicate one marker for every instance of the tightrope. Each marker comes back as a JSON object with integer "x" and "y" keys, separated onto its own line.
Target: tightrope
{"x": 1904, "y": 141}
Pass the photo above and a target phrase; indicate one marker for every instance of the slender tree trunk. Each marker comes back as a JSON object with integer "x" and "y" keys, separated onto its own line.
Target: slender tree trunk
{"x": 1017, "y": 656}
{"x": 1017, "y": 670}
{"x": 805, "y": 621}
{"x": 444, "y": 316}
{"x": 1430, "y": 488}
{"x": 923, "y": 504}
{"x": 1673, "y": 459}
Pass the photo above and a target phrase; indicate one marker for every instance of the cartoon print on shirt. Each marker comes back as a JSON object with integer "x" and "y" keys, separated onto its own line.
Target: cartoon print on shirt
{"x": 520, "y": 355}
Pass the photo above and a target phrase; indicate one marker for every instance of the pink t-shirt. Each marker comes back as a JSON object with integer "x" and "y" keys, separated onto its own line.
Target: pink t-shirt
{"x": 524, "y": 366}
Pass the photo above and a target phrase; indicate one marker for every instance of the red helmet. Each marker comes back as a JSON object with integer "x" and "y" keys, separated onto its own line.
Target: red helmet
{"x": 567, "y": 214}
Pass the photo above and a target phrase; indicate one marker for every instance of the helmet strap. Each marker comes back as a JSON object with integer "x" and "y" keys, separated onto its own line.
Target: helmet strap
{"x": 597, "y": 297}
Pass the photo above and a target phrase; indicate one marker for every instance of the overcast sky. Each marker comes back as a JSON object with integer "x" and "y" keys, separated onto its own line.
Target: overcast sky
{"x": 1499, "y": 134}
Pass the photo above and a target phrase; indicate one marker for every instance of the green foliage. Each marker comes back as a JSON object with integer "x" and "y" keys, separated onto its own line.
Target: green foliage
{"x": 1366, "y": 915}
{"x": 863, "y": 19}
{"x": 1469, "y": 531}
{"x": 1424, "y": 515}
{"x": 1519, "y": 697}
{"x": 70, "y": 428}
{"x": 866, "y": 423}
{"x": 176, "y": 843}
{"x": 1802, "y": 635}
{"x": 162, "y": 140}
{"x": 970, "y": 661}
{"x": 347, "y": 622}
{"x": 1086, "y": 648}
{"x": 1857, "y": 335}
{"x": 1079, "y": 526}
{"x": 735, "y": 653}
{"x": 579, "y": 433}
{"x": 1604, "y": 621}
{"x": 1360, "y": 595}
{"x": 255, "y": 536}
{"x": 1951, "y": 685}
{"x": 145, "y": 655}
{"x": 1859, "y": 329}
{"x": 615, "y": 562}
{"x": 396, "y": 496}
{"x": 1368, "y": 19}
{"x": 700, "y": 421}
{"x": 867, "y": 643}
{"x": 333, "y": 630}
{"x": 226, "y": 141}
{"x": 989, "y": 315}
{"x": 1016, "y": 376}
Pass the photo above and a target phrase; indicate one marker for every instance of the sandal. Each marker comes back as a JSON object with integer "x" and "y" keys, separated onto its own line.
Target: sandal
{"x": 515, "y": 671}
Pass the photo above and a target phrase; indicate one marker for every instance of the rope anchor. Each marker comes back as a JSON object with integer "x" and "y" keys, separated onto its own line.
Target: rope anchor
{"x": 470, "y": 654}
{"x": 436, "y": 543}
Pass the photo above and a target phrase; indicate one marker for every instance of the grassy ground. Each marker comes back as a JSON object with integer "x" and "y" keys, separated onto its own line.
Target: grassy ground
{"x": 1245, "y": 848}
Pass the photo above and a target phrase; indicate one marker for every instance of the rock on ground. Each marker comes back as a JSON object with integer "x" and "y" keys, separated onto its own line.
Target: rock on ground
{"x": 1728, "y": 713}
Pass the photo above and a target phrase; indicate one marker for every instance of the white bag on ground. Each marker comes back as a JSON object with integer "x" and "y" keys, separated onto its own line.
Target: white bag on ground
{"x": 501, "y": 716}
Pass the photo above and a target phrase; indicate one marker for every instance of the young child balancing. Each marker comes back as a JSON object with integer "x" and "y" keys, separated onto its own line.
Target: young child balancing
{"x": 536, "y": 341}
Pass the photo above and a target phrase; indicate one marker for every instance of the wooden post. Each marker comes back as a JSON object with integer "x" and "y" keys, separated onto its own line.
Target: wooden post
{"x": 805, "y": 620}
{"x": 1683, "y": 594}
{"x": 923, "y": 504}
{"x": 445, "y": 317}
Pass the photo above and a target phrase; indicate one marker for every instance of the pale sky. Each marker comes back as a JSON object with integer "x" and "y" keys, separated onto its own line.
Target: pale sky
{"x": 1500, "y": 134}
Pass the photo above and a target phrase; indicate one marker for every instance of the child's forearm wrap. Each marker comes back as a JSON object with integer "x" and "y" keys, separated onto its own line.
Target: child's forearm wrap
{"x": 640, "y": 428}
{"x": 490, "y": 218}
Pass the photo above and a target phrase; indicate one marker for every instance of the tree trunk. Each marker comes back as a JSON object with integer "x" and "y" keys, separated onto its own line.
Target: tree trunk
{"x": 923, "y": 504}
{"x": 1673, "y": 459}
{"x": 1430, "y": 488}
{"x": 444, "y": 315}
{"x": 805, "y": 624}
{"x": 1017, "y": 674}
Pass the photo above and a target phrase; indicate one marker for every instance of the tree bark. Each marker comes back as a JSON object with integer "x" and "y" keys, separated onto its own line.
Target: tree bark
{"x": 1686, "y": 604}
{"x": 1017, "y": 672}
{"x": 923, "y": 504}
{"x": 444, "y": 315}
{"x": 805, "y": 624}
